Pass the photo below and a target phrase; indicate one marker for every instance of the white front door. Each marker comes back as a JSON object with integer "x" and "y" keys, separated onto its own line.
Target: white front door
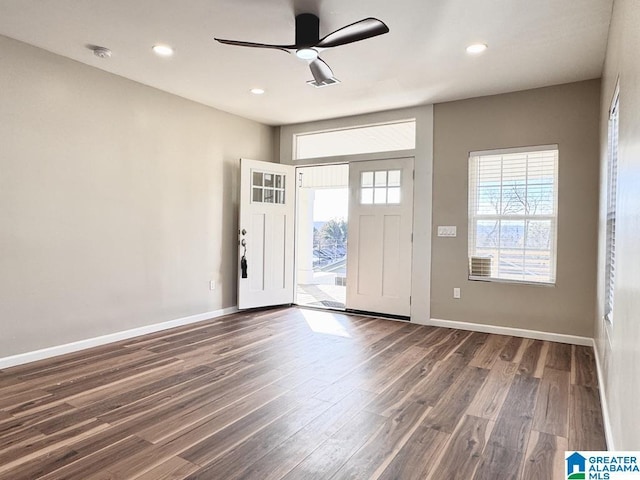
{"x": 380, "y": 231}
{"x": 266, "y": 234}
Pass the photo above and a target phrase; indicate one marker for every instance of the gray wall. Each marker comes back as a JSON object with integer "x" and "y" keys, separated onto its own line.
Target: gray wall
{"x": 619, "y": 346}
{"x": 566, "y": 115}
{"x": 117, "y": 201}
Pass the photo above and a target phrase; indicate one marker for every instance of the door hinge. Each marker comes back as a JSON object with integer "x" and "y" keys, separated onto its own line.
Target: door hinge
{"x": 409, "y": 299}
{"x": 411, "y": 237}
{"x": 413, "y": 174}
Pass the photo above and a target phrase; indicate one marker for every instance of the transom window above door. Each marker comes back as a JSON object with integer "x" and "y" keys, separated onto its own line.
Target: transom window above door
{"x": 267, "y": 187}
{"x": 356, "y": 140}
{"x": 380, "y": 187}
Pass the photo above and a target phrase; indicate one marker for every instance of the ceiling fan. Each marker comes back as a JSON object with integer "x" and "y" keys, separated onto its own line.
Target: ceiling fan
{"x": 309, "y": 44}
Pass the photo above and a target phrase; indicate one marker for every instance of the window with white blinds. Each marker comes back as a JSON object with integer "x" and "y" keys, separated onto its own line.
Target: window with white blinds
{"x": 612, "y": 183}
{"x": 513, "y": 204}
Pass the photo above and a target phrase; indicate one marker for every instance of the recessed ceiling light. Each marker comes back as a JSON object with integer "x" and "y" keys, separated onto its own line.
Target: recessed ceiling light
{"x": 257, "y": 91}
{"x": 163, "y": 50}
{"x": 476, "y": 48}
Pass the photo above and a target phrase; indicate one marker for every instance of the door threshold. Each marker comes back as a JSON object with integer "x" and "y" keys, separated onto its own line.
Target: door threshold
{"x": 319, "y": 308}
{"x": 388, "y": 316}
{"x": 362, "y": 313}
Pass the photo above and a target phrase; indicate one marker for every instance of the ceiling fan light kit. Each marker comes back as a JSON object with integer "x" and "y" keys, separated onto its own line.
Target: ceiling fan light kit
{"x": 309, "y": 44}
{"x": 307, "y": 53}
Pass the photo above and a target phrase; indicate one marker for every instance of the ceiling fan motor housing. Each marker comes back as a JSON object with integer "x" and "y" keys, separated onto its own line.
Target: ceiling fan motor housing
{"x": 307, "y": 30}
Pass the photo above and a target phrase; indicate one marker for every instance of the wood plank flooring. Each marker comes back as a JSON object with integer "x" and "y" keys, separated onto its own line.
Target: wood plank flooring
{"x": 301, "y": 394}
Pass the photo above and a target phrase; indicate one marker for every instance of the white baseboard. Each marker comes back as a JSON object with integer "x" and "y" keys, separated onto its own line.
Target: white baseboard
{"x": 49, "y": 352}
{"x": 514, "y": 332}
{"x": 608, "y": 433}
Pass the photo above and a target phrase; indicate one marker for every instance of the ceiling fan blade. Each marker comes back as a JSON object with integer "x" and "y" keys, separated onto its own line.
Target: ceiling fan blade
{"x": 238, "y": 43}
{"x": 320, "y": 70}
{"x": 367, "y": 28}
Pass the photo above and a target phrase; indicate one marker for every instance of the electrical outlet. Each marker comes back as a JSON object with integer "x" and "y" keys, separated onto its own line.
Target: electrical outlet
{"x": 212, "y": 285}
{"x": 456, "y": 293}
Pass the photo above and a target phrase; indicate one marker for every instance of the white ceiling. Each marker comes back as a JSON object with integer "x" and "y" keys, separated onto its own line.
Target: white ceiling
{"x": 532, "y": 43}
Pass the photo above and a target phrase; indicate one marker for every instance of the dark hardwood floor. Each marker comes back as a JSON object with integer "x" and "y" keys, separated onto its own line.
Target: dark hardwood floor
{"x": 301, "y": 394}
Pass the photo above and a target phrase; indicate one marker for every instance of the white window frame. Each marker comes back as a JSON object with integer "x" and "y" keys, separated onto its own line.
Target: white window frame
{"x": 473, "y": 217}
{"x": 612, "y": 184}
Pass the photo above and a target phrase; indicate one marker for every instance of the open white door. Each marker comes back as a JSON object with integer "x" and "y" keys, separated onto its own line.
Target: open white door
{"x": 266, "y": 234}
{"x": 380, "y": 231}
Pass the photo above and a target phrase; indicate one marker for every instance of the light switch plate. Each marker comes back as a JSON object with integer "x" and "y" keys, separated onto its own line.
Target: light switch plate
{"x": 447, "y": 231}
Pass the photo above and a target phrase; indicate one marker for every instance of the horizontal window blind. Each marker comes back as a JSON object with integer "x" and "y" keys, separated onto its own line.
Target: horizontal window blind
{"x": 612, "y": 183}
{"x": 513, "y": 214}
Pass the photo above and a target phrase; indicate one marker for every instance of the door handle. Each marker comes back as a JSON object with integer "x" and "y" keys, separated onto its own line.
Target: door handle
{"x": 243, "y": 260}
{"x": 243, "y": 267}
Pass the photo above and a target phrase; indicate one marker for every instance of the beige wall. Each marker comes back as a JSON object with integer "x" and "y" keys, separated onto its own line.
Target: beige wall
{"x": 566, "y": 115}
{"x": 117, "y": 201}
{"x": 619, "y": 346}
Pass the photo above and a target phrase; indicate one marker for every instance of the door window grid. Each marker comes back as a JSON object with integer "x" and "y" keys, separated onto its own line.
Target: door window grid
{"x": 267, "y": 187}
{"x": 380, "y": 187}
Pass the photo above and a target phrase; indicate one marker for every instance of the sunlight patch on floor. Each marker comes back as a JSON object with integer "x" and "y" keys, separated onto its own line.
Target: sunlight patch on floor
{"x": 321, "y": 322}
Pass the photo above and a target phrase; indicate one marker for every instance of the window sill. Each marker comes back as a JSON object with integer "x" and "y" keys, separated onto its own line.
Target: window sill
{"x": 505, "y": 280}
